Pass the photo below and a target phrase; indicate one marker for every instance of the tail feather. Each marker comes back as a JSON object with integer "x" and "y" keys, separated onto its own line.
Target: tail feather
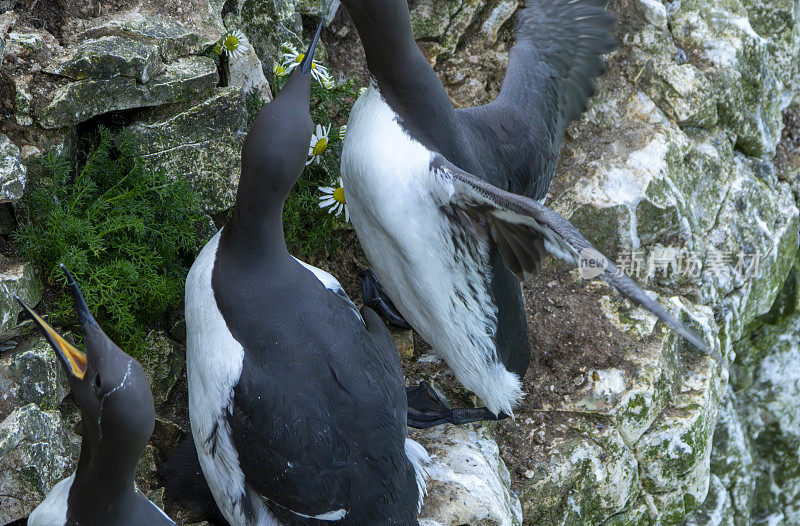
{"x": 419, "y": 458}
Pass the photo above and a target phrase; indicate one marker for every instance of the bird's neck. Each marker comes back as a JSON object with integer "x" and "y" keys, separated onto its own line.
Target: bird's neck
{"x": 396, "y": 62}
{"x": 103, "y": 481}
{"x": 256, "y": 229}
{"x": 411, "y": 87}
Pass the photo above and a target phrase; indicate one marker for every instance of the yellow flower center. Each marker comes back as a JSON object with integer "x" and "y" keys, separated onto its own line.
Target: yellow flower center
{"x": 338, "y": 195}
{"x": 299, "y": 58}
{"x": 320, "y": 147}
{"x": 230, "y": 43}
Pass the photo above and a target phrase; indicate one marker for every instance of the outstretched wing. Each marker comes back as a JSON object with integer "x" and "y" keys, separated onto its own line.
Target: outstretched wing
{"x": 550, "y": 78}
{"x": 524, "y": 229}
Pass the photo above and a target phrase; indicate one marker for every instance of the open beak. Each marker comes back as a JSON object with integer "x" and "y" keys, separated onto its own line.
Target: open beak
{"x": 309, "y": 58}
{"x": 73, "y": 359}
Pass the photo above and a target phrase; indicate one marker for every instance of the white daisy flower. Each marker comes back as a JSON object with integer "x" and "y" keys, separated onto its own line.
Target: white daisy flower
{"x": 333, "y": 199}
{"x": 319, "y": 143}
{"x": 342, "y": 132}
{"x": 292, "y": 58}
{"x": 287, "y": 48}
{"x": 232, "y": 43}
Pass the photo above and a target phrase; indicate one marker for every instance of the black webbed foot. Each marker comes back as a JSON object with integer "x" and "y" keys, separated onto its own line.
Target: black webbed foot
{"x": 426, "y": 408}
{"x": 378, "y": 300}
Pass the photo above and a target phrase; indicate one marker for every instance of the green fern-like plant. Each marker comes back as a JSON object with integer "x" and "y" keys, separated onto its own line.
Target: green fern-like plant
{"x": 126, "y": 232}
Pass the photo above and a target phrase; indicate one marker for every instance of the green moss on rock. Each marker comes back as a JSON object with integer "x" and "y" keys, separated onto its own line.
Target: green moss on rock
{"x": 76, "y": 102}
{"x": 199, "y": 142}
{"x": 112, "y": 56}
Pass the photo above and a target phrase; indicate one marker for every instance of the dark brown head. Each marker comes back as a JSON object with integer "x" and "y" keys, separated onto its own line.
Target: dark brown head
{"x": 109, "y": 387}
{"x": 276, "y": 148}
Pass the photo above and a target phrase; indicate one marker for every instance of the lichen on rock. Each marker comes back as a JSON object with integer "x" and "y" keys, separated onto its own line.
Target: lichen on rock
{"x": 201, "y": 142}
{"x": 76, "y": 102}
{"x": 36, "y": 451}
{"x": 16, "y": 278}
{"x": 12, "y": 172}
{"x": 467, "y": 481}
{"x": 112, "y": 56}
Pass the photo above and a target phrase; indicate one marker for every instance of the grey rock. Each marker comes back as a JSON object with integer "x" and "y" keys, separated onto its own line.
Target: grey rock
{"x": 582, "y": 477}
{"x": 32, "y": 374}
{"x": 748, "y": 70}
{"x": 716, "y": 510}
{"x": 502, "y": 12}
{"x": 319, "y": 8}
{"x": 440, "y": 25}
{"x": 163, "y": 363}
{"x": 36, "y": 451}
{"x": 679, "y": 442}
{"x": 73, "y": 103}
{"x": 654, "y": 12}
{"x": 23, "y": 99}
{"x": 268, "y": 23}
{"x": 686, "y": 95}
{"x": 22, "y": 43}
{"x": 12, "y": 172}
{"x": 732, "y": 461}
{"x": 767, "y": 387}
{"x": 467, "y": 483}
{"x": 201, "y": 142}
{"x": 112, "y": 56}
{"x": 147, "y": 477}
{"x": 246, "y": 72}
{"x": 179, "y": 30}
{"x": 16, "y": 278}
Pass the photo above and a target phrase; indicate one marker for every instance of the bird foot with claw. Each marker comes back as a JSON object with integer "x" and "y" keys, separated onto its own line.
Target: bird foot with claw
{"x": 426, "y": 408}
{"x": 376, "y": 298}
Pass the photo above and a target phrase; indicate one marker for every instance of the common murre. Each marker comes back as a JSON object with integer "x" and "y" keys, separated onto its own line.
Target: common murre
{"x": 447, "y": 203}
{"x": 117, "y": 415}
{"x": 297, "y": 400}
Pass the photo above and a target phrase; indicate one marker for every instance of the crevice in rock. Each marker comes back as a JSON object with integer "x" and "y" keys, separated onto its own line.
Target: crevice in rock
{"x": 43, "y": 14}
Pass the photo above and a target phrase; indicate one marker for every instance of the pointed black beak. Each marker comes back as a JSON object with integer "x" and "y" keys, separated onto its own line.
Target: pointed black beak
{"x": 84, "y": 315}
{"x": 309, "y": 58}
{"x": 73, "y": 360}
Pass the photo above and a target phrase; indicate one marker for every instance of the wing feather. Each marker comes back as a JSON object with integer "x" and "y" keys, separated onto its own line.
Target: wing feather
{"x": 549, "y": 80}
{"x": 516, "y": 221}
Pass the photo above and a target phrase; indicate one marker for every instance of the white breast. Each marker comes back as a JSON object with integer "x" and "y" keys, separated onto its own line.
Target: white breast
{"x": 214, "y": 365}
{"x": 53, "y": 510}
{"x": 401, "y": 212}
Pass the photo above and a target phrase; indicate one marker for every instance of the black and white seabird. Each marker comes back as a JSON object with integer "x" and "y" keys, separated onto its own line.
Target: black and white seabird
{"x": 117, "y": 414}
{"x": 447, "y": 203}
{"x": 297, "y": 401}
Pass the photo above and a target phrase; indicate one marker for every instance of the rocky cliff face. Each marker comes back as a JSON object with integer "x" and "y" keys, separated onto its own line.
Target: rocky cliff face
{"x": 686, "y": 170}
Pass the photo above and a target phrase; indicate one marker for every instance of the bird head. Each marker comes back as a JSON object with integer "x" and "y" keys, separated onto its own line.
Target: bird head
{"x": 109, "y": 387}
{"x": 276, "y": 148}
